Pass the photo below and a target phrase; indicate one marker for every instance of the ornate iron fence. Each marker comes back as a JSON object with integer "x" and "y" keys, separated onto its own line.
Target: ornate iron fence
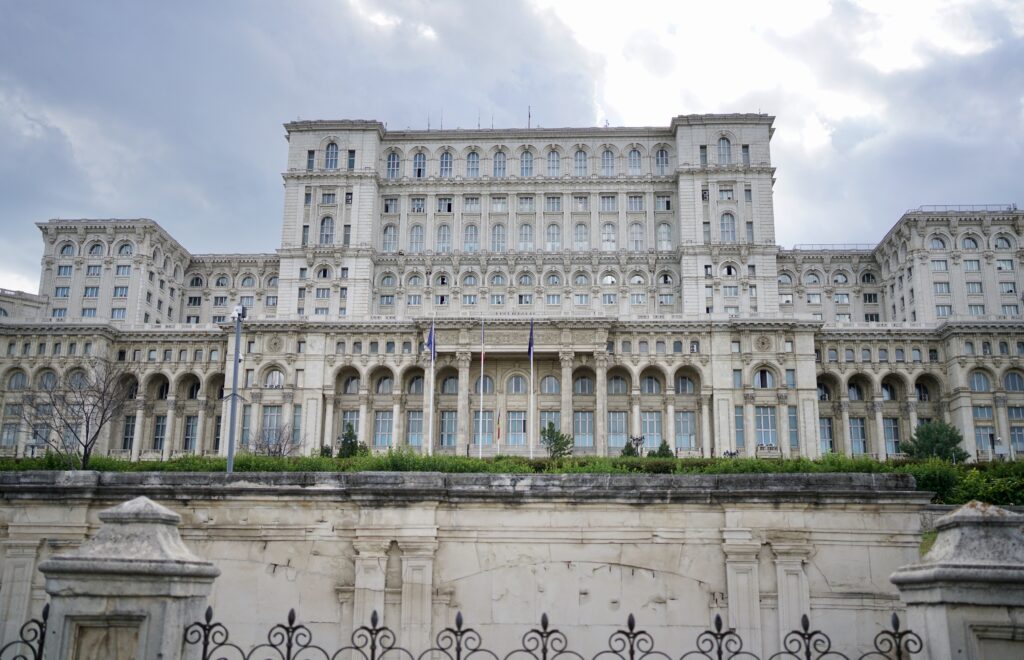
{"x": 292, "y": 641}
{"x": 31, "y": 640}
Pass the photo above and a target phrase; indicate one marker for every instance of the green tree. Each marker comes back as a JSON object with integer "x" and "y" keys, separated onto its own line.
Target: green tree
{"x": 663, "y": 451}
{"x": 936, "y": 439}
{"x": 558, "y": 444}
{"x": 349, "y": 443}
{"x": 629, "y": 450}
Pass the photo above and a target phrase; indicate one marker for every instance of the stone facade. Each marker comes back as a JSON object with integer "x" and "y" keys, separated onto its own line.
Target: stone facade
{"x": 760, "y": 550}
{"x": 646, "y": 257}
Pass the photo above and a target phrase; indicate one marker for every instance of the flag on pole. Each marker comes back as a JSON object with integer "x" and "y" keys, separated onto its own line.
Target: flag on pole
{"x": 432, "y": 343}
{"x": 480, "y": 440}
{"x": 530, "y": 347}
{"x": 530, "y": 422}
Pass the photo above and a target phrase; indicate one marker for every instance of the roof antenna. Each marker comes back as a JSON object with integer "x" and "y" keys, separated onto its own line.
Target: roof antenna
{"x": 428, "y": 121}
{"x": 529, "y": 116}
{"x": 478, "y": 119}
{"x": 442, "y": 118}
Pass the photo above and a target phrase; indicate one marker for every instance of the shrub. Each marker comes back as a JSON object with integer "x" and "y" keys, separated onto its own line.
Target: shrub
{"x": 936, "y": 439}
{"x": 557, "y": 443}
{"x": 663, "y": 451}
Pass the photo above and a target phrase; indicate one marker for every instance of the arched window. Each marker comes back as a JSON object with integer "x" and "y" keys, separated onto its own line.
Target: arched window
{"x": 608, "y": 236}
{"x": 388, "y": 280}
{"x": 323, "y": 273}
{"x": 922, "y": 392}
{"x": 525, "y": 279}
{"x": 824, "y": 394}
{"x": 163, "y": 391}
{"x": 730, "y": 270}
{"x": 581, "y": 279}
{"x": 248, "y": 281}
{"x": 416, "y": 238}
{"x": 472, "y": 165}
{"x": 272, "y": 282}
{"x": 331, "y": 157}
{"x": 487, "y": 383}
{"x": 450, "y": 385}
{"x": 96, "y": 250}
{"x": 583, "y": 385}
{"x": 1003, "y": 243}
{"x": 446, "y": 165}
{"x": 499, "y": 165}
{"x": 498, "y": 238}
{"x": 980, "y": 382}
{"x": 685, "y": 385}
{"x": 196, "y": 281}
{"x": 554, "y": 163}
{"x": 764, "y": 379}
{"x": 393, "y": 165}
{"x": 222, "y": 281}
{"x": 390, "y": 238}
{"x": 550, "y": 385}
{"x": 419, "y": 165}
{"x": 441, "y": 279}
{"x": 580, "y": 163}
{"x": 1014, "y": 382}
{"x": 727, "y": 226}
{"x": 664, "y": 236}
{"x": 637, "y": 240}
{"x": 526, "y": 164}
{"x": 607, "y": 163}
{"x": 444, "y": 238}
{"x": 553, "y": 279}
{"x": 812, "y": 278}
{"x": 581, "y": 237}
{"x": 193, "y": 391}
{"x": 609, "y": 279}
{"x": 516, "y": 385}
{"x": 840, "y": 278}
{"x": 634, "y": 162}
{"x": 327, "y": 231}
{"x": 661, "y": 162}
{"x": 469, "y": 280}
{"x": 525, "y": 238}
{"x": 785, "y": 279}
{"x": 937, "y": 243}
{"x": 868, "y": 278}
{"x": 47, "y": 381}
{"x": 888, "y": 392}
{"x": 650, "y": 385}
{"x": 854, "y": 393}
{"x": 554, "y": 238}
{"x": 968, "y": 348}
{"x": 416, "y": 385}
{"x": 637, "y": 279}
{"x": 351, "y": 385}
{"x": 970, "y": 243}
{"x": 414, "y": 280}
{"x": 724, "y": 151}
{"x": 67, "y": 250}
{"x": 470, "y": 238}
{"x": 17, "y": 381}
{"x": 125, "y": 250}
{"x": 384, "y": 385}
{"x": 274, "y": 379}
{"x": 498, "y": 279}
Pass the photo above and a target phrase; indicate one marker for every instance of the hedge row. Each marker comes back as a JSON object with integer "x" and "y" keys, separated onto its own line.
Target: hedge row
{"x": 996, "y": 483}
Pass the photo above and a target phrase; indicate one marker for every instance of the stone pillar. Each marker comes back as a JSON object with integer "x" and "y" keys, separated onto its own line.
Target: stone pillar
{"x": 634, "y": 414}
{"x": 876, "y": 411}
{"x": 365, "y": 424}
{"x": 106, "y": 602}
{"x": 464, "y": 422}
{"x": 601, "y": 414}
{"x": 783, "y": 422}
{"x": 705, "y": 428}
{"x": 670, "y": 418}
{"x": 19, "y": 568}
{"x": 566, "y": 358}
{"x": 140, "y": 430}
{"x": 200, "y": 431}
{"x": 794, "y": 591}
{"x": 371, "y": 570}
{"x": 742, "y": 585}
{"x": 417, "y": 591}
{"x": 397, "y": 418}
{"x": 328, "y": 434}
{"x": 1003, "y": 424}
{"x": 912, "y": 416}
{"x": 172, "y": 413}
{"x": 965, "y": 598}
{"x": 749, "y": 435}
{"x": 844, "y": 413}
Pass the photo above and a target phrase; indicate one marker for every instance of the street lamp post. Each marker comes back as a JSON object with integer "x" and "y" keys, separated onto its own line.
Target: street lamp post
{"x": 638, "y": 442}
{"x": 238, "y": 315}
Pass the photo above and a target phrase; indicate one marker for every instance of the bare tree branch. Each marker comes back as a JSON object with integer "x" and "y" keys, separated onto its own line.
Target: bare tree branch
{"x": 274, "y": 441}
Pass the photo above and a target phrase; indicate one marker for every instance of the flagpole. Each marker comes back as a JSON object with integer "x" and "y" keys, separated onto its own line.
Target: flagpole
{"x": 480, "y": 439}
{"x": 432, "y": 347}
{"x": 531, "y": 405}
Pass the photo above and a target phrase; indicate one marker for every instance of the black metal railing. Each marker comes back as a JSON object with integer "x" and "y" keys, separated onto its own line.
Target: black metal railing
{"x": 291, "y": 641}
{"x": 31, "y": 640}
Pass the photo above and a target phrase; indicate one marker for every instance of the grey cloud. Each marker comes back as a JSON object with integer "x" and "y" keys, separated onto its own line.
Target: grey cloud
{"x": 644, "y": 47}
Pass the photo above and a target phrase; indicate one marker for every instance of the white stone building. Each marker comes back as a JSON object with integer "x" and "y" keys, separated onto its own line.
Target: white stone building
{"x": 645, "y": 257}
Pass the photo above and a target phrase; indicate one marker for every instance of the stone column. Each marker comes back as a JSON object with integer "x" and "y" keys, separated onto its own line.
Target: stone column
{"x": 19, "y": 567}
{"x": 794, "y": 591}
{"x": 397, "y": 419}
{"x": 783, "y": 422}
{"x": 876, "y": 411}
{"x": 911, "y": 409}
{"x": 670, "y": 417}
{"x": 172, "y": 412}
{"x": 705, "y": 427}
{"x": 140, "y": 430}
{"x": 965, "y": 598}
{"x": 106, "y": 603}
{"x": 200, "y": 431}
{"x": 634, "y": 414}
{"x": 749, "y": 435}
{"x": 371, "y": 570}
{"x": 566, "y": 358}
{"x": 1003, "y": 424}
{"x": 417, "y": 591}
{"x": 464, "y": 422}
{"x": 365, "y": 424}
{"x": 328, "y": 434}
{"x": 601, "y": 414}
{"x": 742, "y": 585}
{"x": 844, "y": 413}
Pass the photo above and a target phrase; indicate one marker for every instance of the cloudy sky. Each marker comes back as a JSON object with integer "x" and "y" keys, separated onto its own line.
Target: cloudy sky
{"x": 173, "y": 110}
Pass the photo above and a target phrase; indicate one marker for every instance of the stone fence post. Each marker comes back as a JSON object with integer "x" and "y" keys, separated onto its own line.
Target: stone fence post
{"x": 128, "y": 592}
{"x": 965, "y": 598}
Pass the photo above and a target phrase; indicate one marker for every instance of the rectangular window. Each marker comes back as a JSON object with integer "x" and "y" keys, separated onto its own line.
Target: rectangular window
{"x": 382, "y": 428}
{"x": 842, "y": 299}
{"x": 662, "y": 202}
{"x": 764, "y": 426}
{"x": 579, "y": 203}
{"x": 813, "y": 298}
{"x": 449, "y": 428}
{"x": 686, "y": 430}
{"x": 942, "y": 311}
{"x": 417, "y": 205}
{"x": 608, "y": 298}
{"x": 328, "y": 198}
{"x": 467, "y": 299}
{"x": 120, "y": 292}
{"x": 191, "y": 433}
{"x": 118, "y": 313}
{"x": 972, "y": 266}
{"x": 128, "y": 432}
{"x": 349, "y": 418}
{"x": 123, "y": 271}
{"x": 497, "y": 298}
{"x": 974, "y": 288}
{"x": 64, "y": 271}
{"x": 553, "y": 299}
{"x": 794, "y": 428}
{"x": 745, "y": 150}
{"x": 581, "y": 299}
{"x": 634, "y": 203}
{"x": 976, "y": 310}
{"x": 159, "y": 432}
{"x": 583, "y": 428}
{"x": 483, "y": 435}
{"x": 858, "y": 436}
{"x": 323, "y": 293}
{"x": 1007, "y": 288}
{"x": 608, "y": 203}
{"x": 351, "y": 159}
{"x": 740, "y": 431}
{"x": 391, "y": 205}
{"x": 62, "y": 292}
{"x": 1004, "y": 264}
{"x": 725, "y": 194}
{"x": 791, "y": 378}
{"x": 517, "y": 427}
{"x": 246, "y": 301}
{"x": 617, "y": 431}
{"x": 471, "y": 204}
{"x": 553, "y": 203}
{"x": 444, "y": 204}
{"x": 310, "y": 159}
{"x": 59, "y": 312}
{"x": 525, "y": 298}
{"x": 93, "y": 271}
{"x": 703, "y": 155}
{"x": 549, "y": 417}
{"x": 499, "y": 204}
{"x": 940, "y": 265}
{"x": 825, "y": 435}
{"x": 891, "y": 428}
{"x": 414, "y": 428}
{"x": 871, "y": 298}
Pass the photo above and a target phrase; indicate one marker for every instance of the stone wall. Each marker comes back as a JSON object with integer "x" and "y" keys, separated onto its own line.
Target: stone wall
{"x": 587, "y": 549}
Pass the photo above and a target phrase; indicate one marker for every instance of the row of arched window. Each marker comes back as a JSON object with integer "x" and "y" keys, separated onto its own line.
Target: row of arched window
{"x": 517, "y": 384}
{"x": 553, "y": 278}
{"x": 636, "y": 238}
{"x": 970, "y": 243}
{"x": 223, "y": 281}
{"x": 813, "y": 278}
{"x": 97, "y": 249}
{"x": 529, "y": 164}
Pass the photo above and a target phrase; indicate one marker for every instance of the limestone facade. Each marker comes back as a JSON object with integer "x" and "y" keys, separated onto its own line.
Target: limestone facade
{"x": 646, "y": 258}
